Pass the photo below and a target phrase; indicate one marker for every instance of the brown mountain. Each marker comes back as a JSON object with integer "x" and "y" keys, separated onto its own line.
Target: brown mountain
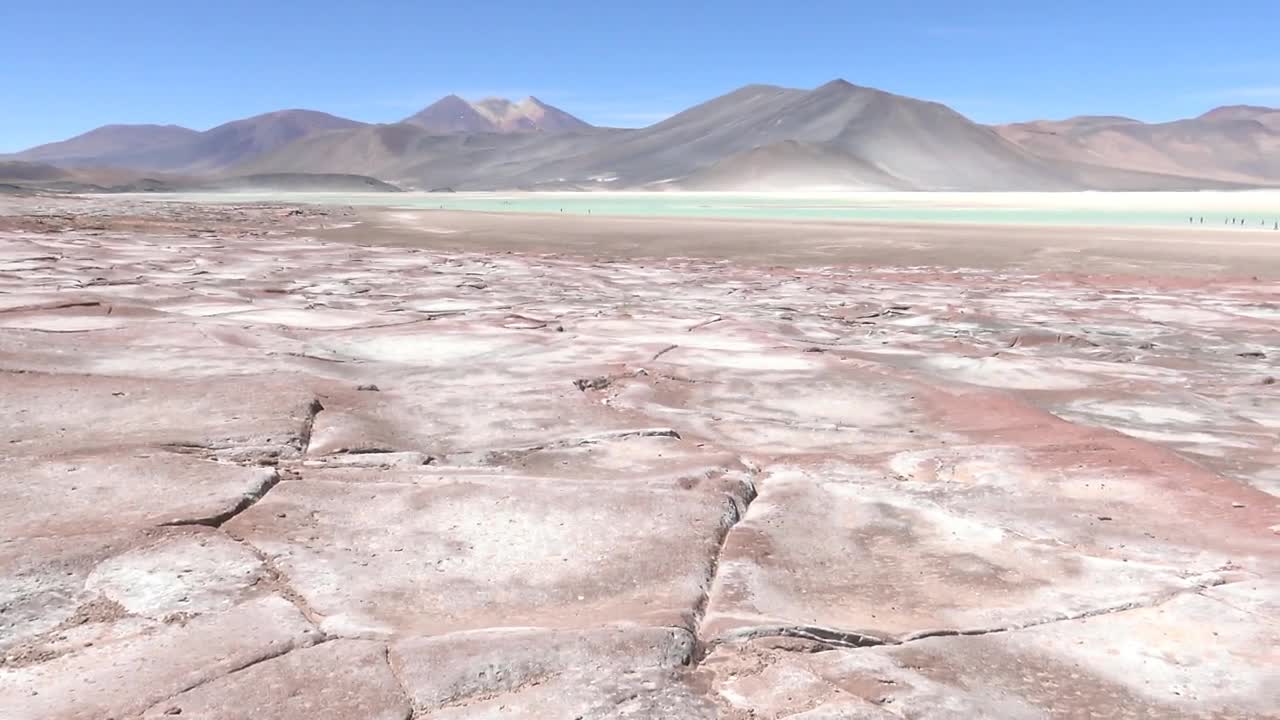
{"x": 452, "y": 114}
{"x": 1238, "y": 144}
{"x": 19, "y": 171}
{"x": 528, "y": 115}
{"x": 870, "y": 137}
{"x": 43, "y": 176}
{"x": 412, "y": 156}
{"x": 1266, "y": 115}
{"x": 791, "y": 165}
{"x": 240, "y": 140}
{"x": 170, "y": 148}
{"x": 838, "y": 135}
{"x": 106, "y": 142}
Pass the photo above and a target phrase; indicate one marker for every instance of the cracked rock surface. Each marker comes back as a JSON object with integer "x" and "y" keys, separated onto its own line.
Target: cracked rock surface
{"x": 249, "y": 473}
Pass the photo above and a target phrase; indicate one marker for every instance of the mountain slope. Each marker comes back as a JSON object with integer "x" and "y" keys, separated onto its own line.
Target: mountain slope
{"x": 236, "y": 141}
{"x": 42, "y": 176}
{"x": 107, "y": 141}
{"x": 836, "y": 136}
{"x": 916, "y": 144}
{"x": 680, "y": 144}
{"x": 1266, "y": 115}
{"x": 412, "y": 156}
{"x": 21, "y": 171}
{"x": 168, "y": 148}
{"x": 528, "y": 115}
{"x": 792, "y": 166}
{"x": 450, "y": 114}
{"x": 1239, "y": 144}
{"x": 930, "y": 146}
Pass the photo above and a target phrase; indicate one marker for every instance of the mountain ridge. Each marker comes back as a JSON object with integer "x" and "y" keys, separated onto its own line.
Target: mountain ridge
{"x": 838, "y": 134}
{"x": 173, "y": 148}
{"x": 1239, "y": 144}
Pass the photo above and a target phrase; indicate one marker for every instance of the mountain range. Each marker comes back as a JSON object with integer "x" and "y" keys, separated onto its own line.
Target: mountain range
{"x": 758, "y": 137}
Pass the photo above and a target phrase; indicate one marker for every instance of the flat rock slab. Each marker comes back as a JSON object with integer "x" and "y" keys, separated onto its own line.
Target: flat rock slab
{"x": 856, "y": 562}
{"x": 103, "y": 493}
{"x": 803, "y": 404}
{"x": 340, "y": 679}
{"x": 42, "y": 583}
{"x": 536, "y": 674}
{"x": 51, "y": 414}
{"x": 318, "y": 319}
{"x": 126, "y": 676}
{"x": 165, "y": 348}
{"x": 197, "y": 572}
{"x": 377, "y": 557}
{"x": 1166, "y": 660}
{"x": 66, "y": 594}
{"x": 633, "y": 454}
{"x": 419, "y": 412}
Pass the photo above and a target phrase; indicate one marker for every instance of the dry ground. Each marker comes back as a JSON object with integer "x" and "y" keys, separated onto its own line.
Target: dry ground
{"x": 1180, "y": 252}
{"x": 254, "y": 464}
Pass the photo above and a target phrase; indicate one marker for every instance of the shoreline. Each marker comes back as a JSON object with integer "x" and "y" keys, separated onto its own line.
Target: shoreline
{"x": 1190, "y": 252}
{"x": 1074, "y": 210}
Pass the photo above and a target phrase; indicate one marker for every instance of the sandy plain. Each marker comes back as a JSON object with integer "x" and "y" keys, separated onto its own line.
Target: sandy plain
{"x": 296, "y": 461}
{"x": 1179, "y": 251}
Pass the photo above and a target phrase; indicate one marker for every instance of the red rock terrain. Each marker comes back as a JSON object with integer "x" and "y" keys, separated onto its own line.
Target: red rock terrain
{"x": 252, "y": 474}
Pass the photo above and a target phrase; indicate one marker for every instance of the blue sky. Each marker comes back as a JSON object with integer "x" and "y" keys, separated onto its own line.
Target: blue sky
{"x": 66, "y": 67}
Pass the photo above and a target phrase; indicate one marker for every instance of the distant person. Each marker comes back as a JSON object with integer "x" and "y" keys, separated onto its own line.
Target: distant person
{"x": 1202, "y": 220}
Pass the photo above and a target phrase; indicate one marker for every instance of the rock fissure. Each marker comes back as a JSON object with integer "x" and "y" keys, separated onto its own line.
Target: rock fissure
{"x": 663, "y": 351}
{"x": 509, "y": 454}
{"x": 839, "y": 638}
{"x": 279, "y": 582}
{"x": 705, "y": 323}
{"x": 364, "y": 451}
{"x": 738, "y": 508}
{"x": 246, "y": 501}
{"x": 831, "y": 637}
{"x": 58, "y": 306}
{"x": 400, "y": 681}
{"x": 168, "y": 703}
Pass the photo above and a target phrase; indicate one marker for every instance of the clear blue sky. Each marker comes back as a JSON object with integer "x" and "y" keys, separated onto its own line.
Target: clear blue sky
{"x": 66, "y": 66}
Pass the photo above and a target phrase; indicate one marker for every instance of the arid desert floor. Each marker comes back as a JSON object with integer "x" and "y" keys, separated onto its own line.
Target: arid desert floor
{"x": 295, "y": 462}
